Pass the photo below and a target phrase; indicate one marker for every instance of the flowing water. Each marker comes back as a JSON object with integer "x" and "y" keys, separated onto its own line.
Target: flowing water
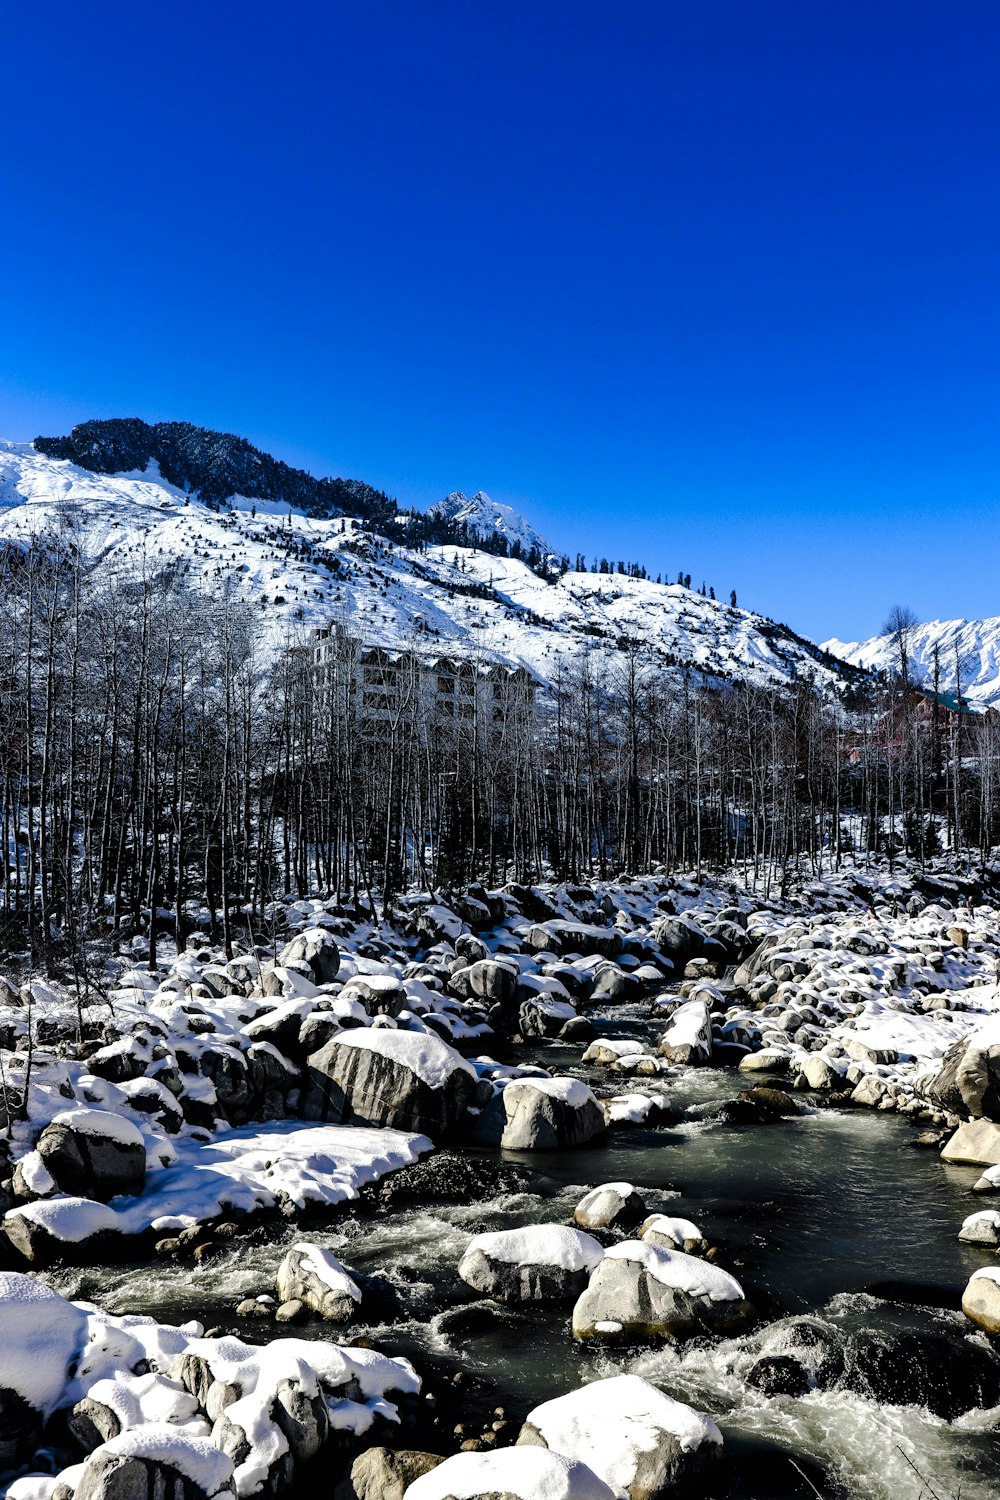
{"x": 843, "y": 1235}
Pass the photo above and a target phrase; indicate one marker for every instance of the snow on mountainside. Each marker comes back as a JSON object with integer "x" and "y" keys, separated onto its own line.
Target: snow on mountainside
{"x": 301, "y": 571}
{"x": 968, "y": 653}
{"x": 483, "y": 516}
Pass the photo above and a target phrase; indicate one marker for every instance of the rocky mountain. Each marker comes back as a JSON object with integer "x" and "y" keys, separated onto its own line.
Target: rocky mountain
{"x": 213, "y": 515}
{"x": 967, "y": 653}
{"x": 485, "y": 517}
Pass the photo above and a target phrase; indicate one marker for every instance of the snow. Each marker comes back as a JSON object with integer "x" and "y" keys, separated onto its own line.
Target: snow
{"x": 251, "y": 1167}
{"x": 196, "y": 1458}
{"x": 969, "y": 646}
{"x": 686, "y": 1025}
{"x": 698, "y": 1278}
{"x": 426, "y": 1055}
{"x": 325, "y": 568}
{"x": 681, "y": 1231}
{"x": 540, "y": 1245}
{"x": 328, "y": 1270}
{"x": 528, "y": 1473}
{"x": 40, "y": 1333}
{"x": 987, "y": 1273}
{"x": 483, "y": 515}
{"x": 101, "y": 1123}
{"x": 568, "y": 1090}
{"x": 613, "y": 1423}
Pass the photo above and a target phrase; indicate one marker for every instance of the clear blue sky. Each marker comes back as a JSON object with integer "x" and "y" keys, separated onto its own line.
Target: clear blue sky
{"x": 712, "y": 284}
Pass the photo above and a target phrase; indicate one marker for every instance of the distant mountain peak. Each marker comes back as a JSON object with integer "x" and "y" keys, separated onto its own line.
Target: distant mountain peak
{"x": 486, "y": 517}
{"x": 960, "y": 655}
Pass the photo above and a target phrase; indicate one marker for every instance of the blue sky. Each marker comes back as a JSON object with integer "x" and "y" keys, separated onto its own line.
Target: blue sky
{"x": 713, "y": 285}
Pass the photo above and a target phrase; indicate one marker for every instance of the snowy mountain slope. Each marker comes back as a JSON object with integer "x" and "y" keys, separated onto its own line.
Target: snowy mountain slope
{"x": 968, "y": 656}
{"x": 301, "y": 571}
{"x": 483, "y": 516}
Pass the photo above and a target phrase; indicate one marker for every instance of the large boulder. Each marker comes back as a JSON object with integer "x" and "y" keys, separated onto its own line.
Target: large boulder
{"x": 688, "y": 1037}
{"x": 492, "y": 981}
{"x": 404, "y": 1080}
{"x": 641, "y": 1292}
{"x": 317, "y": 948}
{"x": 541, "y": 1114}
{"x": 156, "y": 1462}
{"x": 643, "y": 1444}
{"x": 92, "y": 1153}
{"x": 977, "y": 1143}
{"x": 387, "y": 1473}
{"x": 539, "y": 1263}
{"x": 311, "y": 1275}
{"x": 968, "y": 1079}
{"x": 511, "y": 1474}
{"x": 613, "y": 1205}
{"x": 981, "y": 1299}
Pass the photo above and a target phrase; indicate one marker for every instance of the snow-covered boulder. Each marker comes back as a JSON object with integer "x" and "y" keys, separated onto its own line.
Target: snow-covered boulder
{"x": 968, "y": 1079}
{"x": 406, "y": 1080}
{"x": 981, "y": 1298}
{"x": 643, "y": 1444}
{"x": 982, "y": 1228}
{"x": 317, "y": 948}
{"x": 541, "y": 1114}
{"x": 511, "y": 1474}
{"x": 156, "y": 1462}
{"x": 613, "y": 1205}
{"x": 380, "y": 994}
{"x": 539, "y": 1263}
{"x": 40, "y": 1333}
{"x": 491, "y": 981}
{"x": 668, "y": 1233}
{"x": 93, "y": 1153}
{"x": 688, "y": 1037}
{"x": 641, "y": 1292}
{"x": 311, "y": 1275}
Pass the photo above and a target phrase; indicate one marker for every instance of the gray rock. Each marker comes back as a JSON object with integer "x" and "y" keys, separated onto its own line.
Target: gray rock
{"x": 981, "y": 1301}
{"x": 688, "y": 1037}
{"x": 968, "y": 1080}
{"x": 539, "y": 1263}
{"x": 613, "y": 1205}
{"x": 362, "y": 1085}
{"x": 643, "y": 1444}
{"x": 85, "y": 1164}
{"x": 20, "y": 1429}
{"x": 386, "y": 1473}
{"x": 317, "y": 948}
{"x": 299, "y": 1279}
{"x": 531, "y": 1115}
{"x": 640, "y": 1292}
{"x": 109, "y": 1475}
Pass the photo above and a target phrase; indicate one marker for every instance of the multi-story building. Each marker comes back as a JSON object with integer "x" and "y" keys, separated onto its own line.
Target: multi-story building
{"x": 383, "y": 688}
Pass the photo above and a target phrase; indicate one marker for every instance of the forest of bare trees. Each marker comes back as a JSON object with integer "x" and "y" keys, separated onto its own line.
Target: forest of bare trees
{"x": 157, "y": 754}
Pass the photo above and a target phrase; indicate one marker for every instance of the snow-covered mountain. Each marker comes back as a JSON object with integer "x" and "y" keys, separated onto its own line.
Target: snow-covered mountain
{"x": 484, "y": 516}
{"x": 302, "y": 570}
{"x": 968, "y": 656}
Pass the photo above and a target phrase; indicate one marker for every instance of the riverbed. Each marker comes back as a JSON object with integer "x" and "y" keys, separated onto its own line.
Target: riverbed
{"x": 841, "y": 1232}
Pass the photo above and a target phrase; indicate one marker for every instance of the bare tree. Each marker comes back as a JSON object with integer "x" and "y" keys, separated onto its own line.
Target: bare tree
{"x": 900, "y": 624}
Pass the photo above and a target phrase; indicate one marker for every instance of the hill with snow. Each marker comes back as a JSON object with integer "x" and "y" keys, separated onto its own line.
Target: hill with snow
{"x": 967, "y": 651}
{"x": 301, "y": 569}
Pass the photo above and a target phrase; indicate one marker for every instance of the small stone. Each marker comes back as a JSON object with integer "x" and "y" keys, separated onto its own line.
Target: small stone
{"x": 289, "y": 1312}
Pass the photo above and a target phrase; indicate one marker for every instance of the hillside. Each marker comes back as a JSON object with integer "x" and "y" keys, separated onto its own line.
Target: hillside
{"x": 968, "y": 656}
{"x": 301, "y": 568}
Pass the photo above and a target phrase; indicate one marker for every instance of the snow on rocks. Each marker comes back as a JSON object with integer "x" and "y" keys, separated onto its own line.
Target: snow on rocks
{"x": 541, "y": 1114}
{"x": 317, "y": 948}
{"x": 145, "y": 1397}
{"x": 156, "y": 1460}
{"x": 539, "y": 1263}
{"x": 688, "y": 1037}
{"x": 613, "y": 1205}
{"x": 314, "y": 1277}
{"x": 287, "y": 1162}
{"x": 640, "y": 1442}
{"x": 384, "y": 1077}
{"x": 981, "y": 1299}
{"x": 511, "y": 1474}
{"x": 981, "y": 1228}
{"x": 641, "y": 1292}
{"x": 669, "y": 1233}
{"x": 93, "y": 1153}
